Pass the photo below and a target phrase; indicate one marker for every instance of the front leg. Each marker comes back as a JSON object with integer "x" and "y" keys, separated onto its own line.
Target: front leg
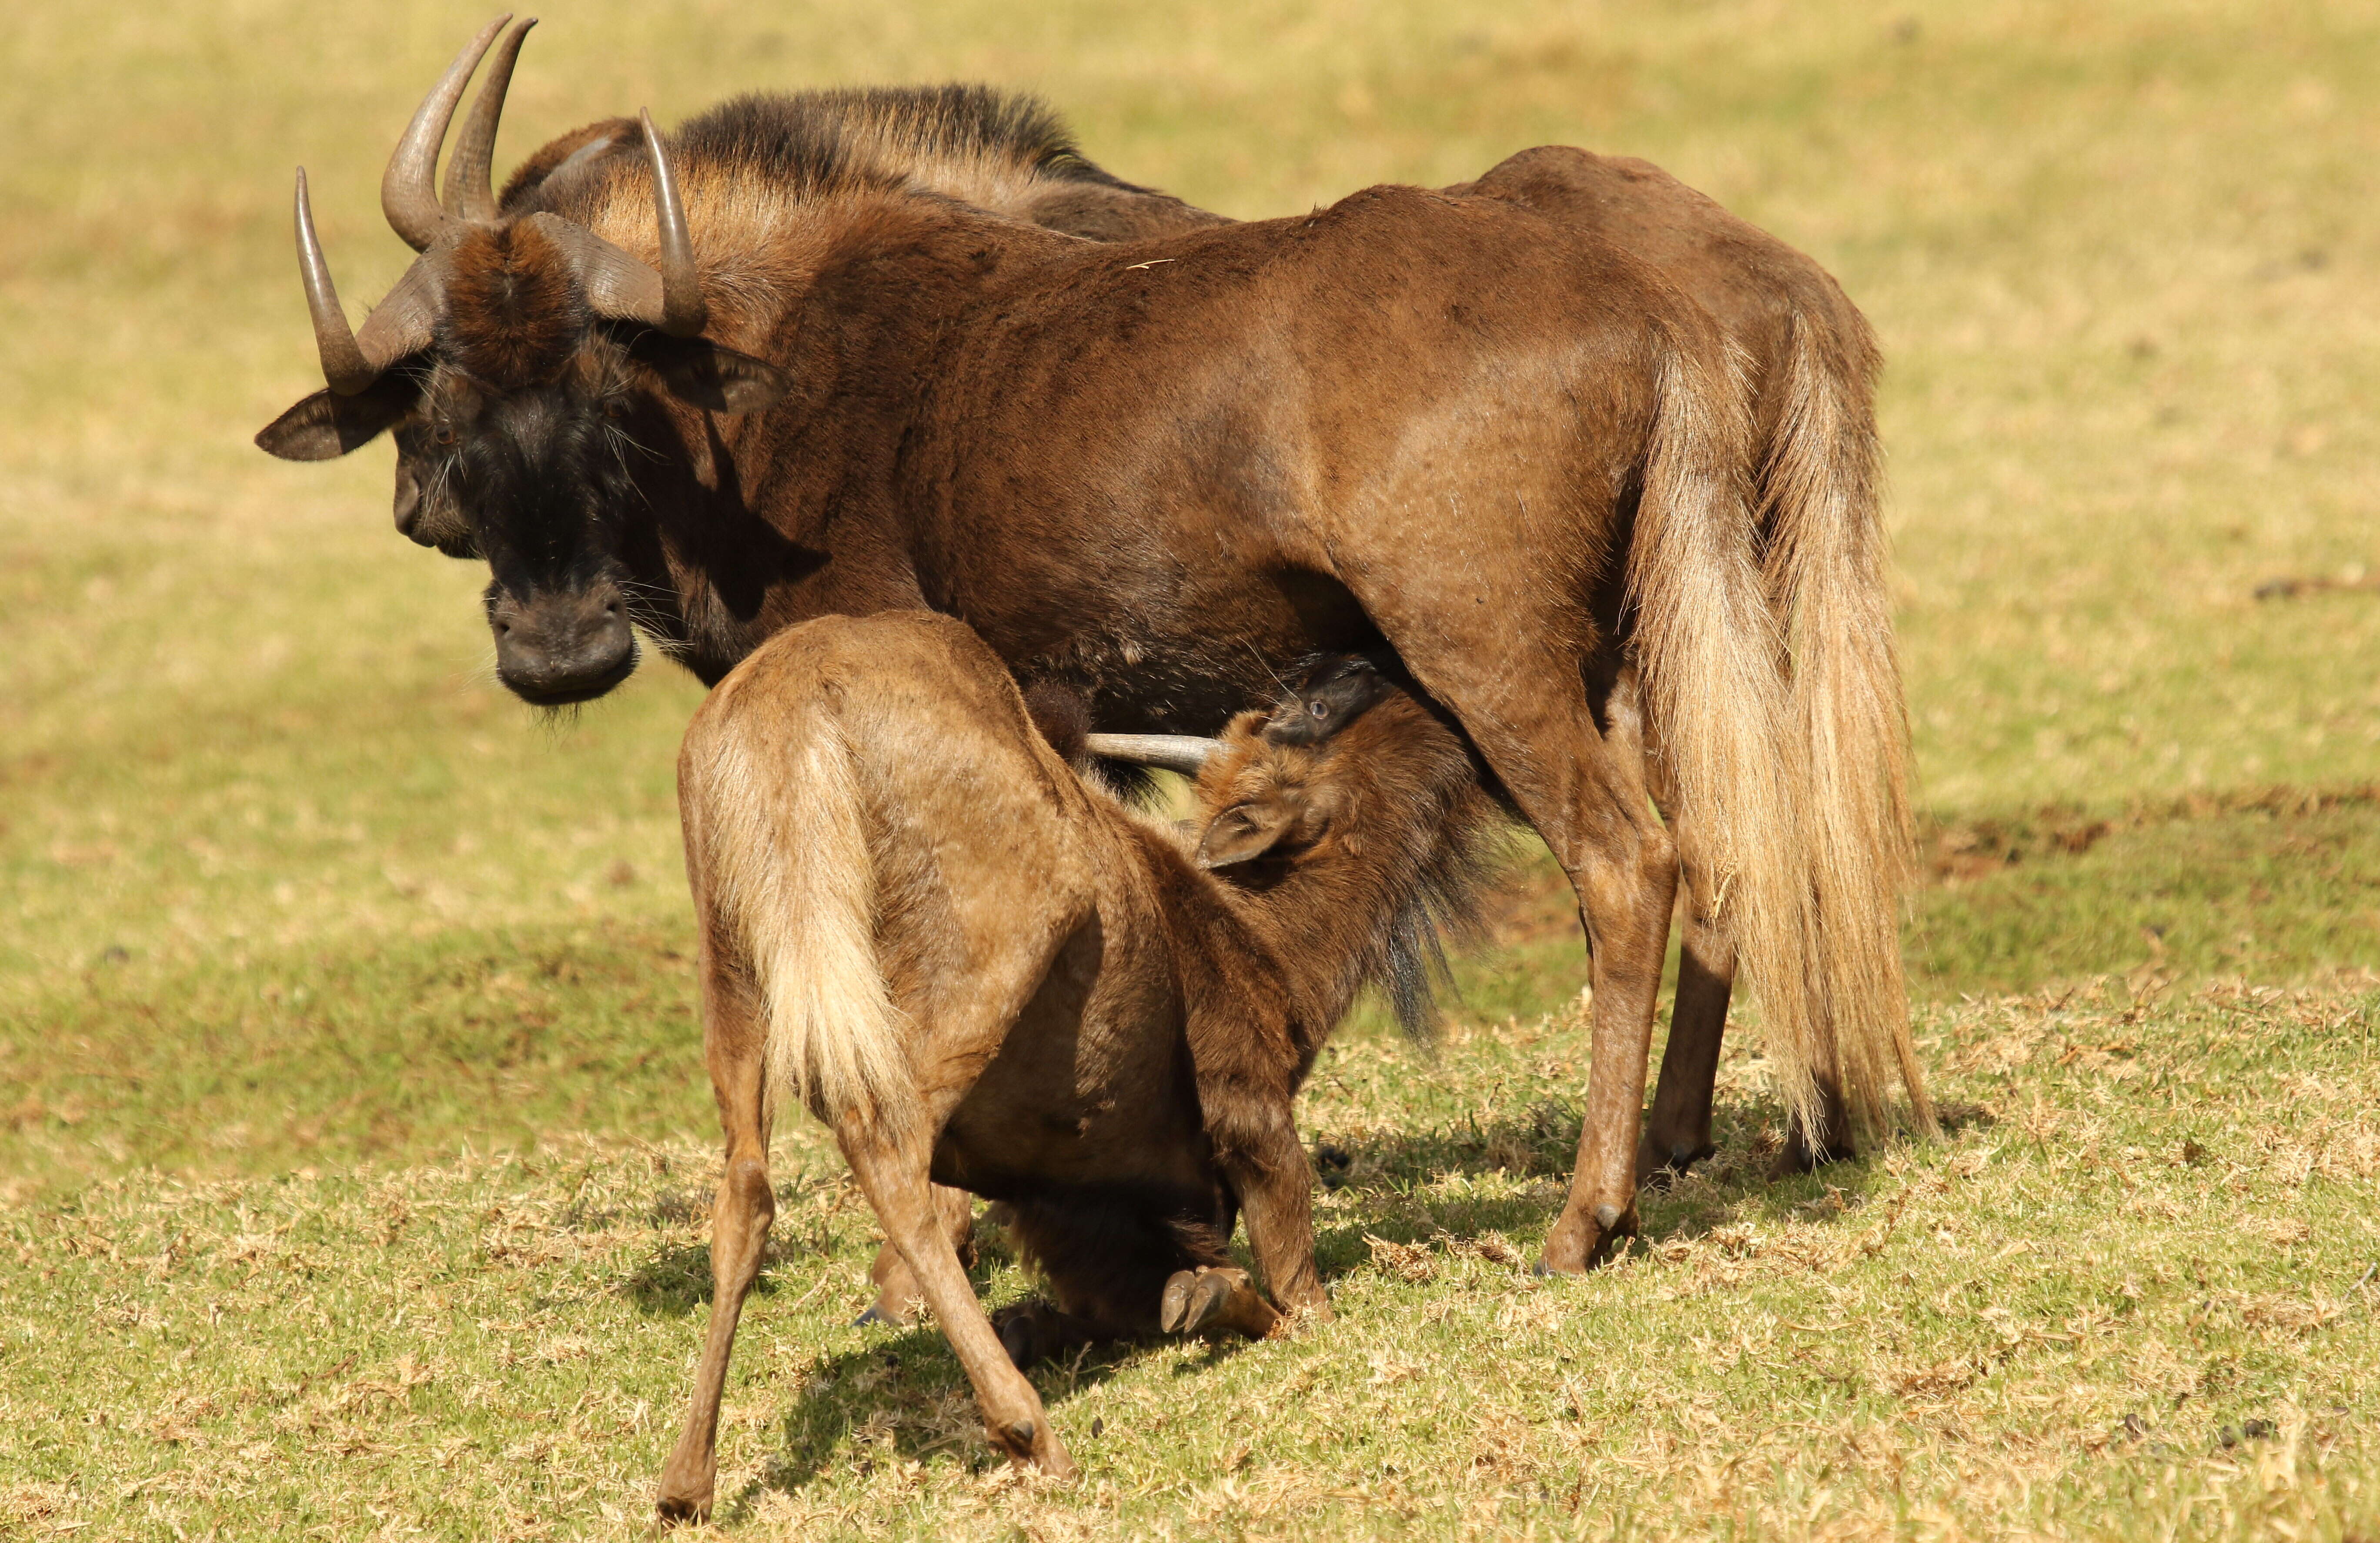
{"x": 1258, "y": 1148}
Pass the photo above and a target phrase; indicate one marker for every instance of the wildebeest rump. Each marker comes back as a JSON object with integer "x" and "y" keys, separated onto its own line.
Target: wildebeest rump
{"x": 1158, "y": 471}
{"x": 981, "y": 971}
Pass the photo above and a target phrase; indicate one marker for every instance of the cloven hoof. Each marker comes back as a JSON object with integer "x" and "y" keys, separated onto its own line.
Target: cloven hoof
{"x": 682, "y": 1509}
{"x": 1192, "y": 1299}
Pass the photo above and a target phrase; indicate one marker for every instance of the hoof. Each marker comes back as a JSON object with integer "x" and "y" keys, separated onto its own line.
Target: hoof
{"x": 1657, "y": 1168}
{"x": 874, "y": 1314}
{"x": 674, "y": 1511}
{"x": 1578, "y": 1245}
{"x": 1193, "y": 1298}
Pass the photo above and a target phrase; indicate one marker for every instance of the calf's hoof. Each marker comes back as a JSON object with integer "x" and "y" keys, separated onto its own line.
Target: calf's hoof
{"x": 1218, "y": 1301}
{"x": 1032, "y": 1443}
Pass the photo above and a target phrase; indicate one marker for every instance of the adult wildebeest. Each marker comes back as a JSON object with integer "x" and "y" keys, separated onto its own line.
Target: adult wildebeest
{"x": 1156, "y": 471}
{"x": 1812, "y": 361}
{"x": 981, "y": 971}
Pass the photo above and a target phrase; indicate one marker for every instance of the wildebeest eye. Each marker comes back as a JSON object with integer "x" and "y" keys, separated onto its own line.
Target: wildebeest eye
{"x": 442, "y": 435}
{"x": 1319, "y": 710}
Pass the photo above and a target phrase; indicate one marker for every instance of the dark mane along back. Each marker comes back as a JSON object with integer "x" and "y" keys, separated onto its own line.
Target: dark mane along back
{"x": 875, "y": 136}
{"x": 1000, "y": 150}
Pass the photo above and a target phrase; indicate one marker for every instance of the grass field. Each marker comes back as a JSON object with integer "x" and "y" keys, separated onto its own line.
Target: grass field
{"x": 352, "y": 1130}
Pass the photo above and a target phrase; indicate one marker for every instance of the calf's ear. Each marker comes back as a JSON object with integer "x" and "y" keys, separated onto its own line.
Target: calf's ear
{"x": 710, "y": 376}
{"x": 326, "y": 425}
{"x": 1245, "y": 832}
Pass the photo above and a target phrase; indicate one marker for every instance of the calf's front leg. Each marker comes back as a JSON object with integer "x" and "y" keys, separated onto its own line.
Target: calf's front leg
{"x": 1257, "y": 1145}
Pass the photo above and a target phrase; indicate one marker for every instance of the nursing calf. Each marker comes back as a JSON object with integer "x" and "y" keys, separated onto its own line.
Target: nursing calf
{"x": 982, "y": 971}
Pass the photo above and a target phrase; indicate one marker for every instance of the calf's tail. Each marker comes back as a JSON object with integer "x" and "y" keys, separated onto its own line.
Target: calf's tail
{"x": 777, "y": 834}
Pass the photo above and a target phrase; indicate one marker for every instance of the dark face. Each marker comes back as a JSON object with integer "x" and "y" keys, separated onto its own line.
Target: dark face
{"x": 1336, "y": 690}
{"x": 539, "y": 481}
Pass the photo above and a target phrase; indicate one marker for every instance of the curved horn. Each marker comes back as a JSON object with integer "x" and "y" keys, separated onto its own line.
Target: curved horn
{"x": 470, "y": 191}
{"x": 403, "y": 322}
{"x": 343, "y": 364}
{"x": 1184, "y": 753}
{"x": 682, "y": 310}
{"x": 408, "y": 190}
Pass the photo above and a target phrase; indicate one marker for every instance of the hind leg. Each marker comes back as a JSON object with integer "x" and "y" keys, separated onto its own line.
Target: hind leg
{"x": 893, "y": 1175}
{"x": 1580, "y": 782}
{"x": 740, "y": 1220}
{"x": 1678, "y": 1132}
{"x": 896, "y": 1289}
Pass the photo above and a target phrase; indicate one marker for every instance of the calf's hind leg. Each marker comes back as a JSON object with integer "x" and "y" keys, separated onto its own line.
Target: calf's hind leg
{"x": 893, "y": 1177}
{"x": 896, "y": 1289}
{"x": 739, "y": 1222}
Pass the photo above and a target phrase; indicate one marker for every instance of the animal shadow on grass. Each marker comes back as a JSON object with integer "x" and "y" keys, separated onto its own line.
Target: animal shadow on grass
{"x": 903, "y": 1398}
{"x": 675, "y": 1280}
{"x": 907, "y": 1399}
{"x": 1392, "y": 1175}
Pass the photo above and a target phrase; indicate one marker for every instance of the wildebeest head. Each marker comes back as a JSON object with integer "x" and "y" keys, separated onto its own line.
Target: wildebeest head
{"x": 512, "y": 360}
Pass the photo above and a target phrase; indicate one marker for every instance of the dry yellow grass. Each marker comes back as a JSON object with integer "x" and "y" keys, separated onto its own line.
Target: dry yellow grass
{"x": 2122, "y": 1299}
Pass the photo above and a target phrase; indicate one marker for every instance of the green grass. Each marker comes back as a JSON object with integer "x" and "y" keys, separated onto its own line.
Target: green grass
{"x": 2122, "y": 1299}
{"x": 352, "y": 1128}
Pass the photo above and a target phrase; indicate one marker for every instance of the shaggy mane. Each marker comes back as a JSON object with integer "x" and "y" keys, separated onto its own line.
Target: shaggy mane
{"x": 879, "y": 137}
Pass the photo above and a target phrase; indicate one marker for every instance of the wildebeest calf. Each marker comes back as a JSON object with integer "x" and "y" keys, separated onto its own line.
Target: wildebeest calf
{"x": 984, "y": 971}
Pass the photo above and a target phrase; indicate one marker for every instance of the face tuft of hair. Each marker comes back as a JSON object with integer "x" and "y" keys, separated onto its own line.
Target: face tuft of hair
{"x": 514, "y": 313}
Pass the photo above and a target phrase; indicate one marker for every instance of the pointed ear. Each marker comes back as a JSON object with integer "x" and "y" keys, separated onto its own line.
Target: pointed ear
{"x": 707, "y": 375}
{"x": 1246, "y": 832}
{"x": 326, "y": 425}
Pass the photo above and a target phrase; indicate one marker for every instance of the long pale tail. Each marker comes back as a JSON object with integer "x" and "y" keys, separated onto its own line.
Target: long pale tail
{"x": 1710, "y": 652}
{"x": 1828, "y": 570}
{"x": 790, "y": 881}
